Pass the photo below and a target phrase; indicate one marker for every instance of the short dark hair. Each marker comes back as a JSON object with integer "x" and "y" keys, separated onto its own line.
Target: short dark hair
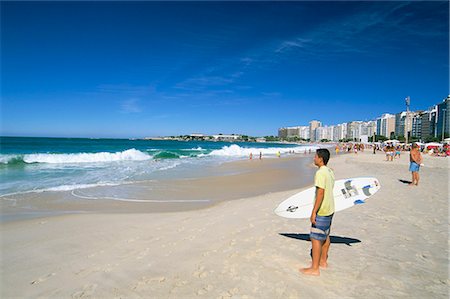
{"x": 324, "y": 154}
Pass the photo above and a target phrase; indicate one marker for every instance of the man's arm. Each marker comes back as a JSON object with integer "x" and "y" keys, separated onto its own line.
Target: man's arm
{"x": 319, "y": 198}
{"x": 416, "y": 157}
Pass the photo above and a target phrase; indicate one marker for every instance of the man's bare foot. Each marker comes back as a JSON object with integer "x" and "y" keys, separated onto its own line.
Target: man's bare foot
{"x": 310, "y": 271}
{"x": 323, "y": 265}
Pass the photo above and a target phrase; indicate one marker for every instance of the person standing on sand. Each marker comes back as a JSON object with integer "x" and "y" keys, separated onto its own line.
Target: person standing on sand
{"x": 415, "y": 159}
{"x": 322, "y": 213}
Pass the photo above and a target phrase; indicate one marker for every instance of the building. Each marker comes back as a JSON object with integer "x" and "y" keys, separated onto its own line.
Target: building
{"x": 340, "y": 132}
{"x": 222, "y": 137}
{"x": 428, "y": 124}
{"x": 386, "y": 125}
{"x": 416, "y": 125}
{"x": 282, "y": 132}
{"x": 355, "y": 129}
{"x": 313, "y": 125}
{"x": 371, "y": 128}
{"x": 403, "y": 123}
{"x": 299, "y": 131}
{"x": 443, "y": 119}
{"x": 304, "y": 132}
{"x": 321, "y": 133}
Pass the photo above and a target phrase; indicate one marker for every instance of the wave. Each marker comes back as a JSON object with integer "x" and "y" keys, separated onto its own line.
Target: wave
{"x": 63, "y": 188}
{"x": 127, "y": 155}
{"x": 237, "y": 151}
{"x": 166, "y": 155}
{"x": 11, "y": 160}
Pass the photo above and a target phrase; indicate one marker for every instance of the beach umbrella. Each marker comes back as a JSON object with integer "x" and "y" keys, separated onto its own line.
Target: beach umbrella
{"x": 392, "y": 141}
{"x": 432, "y": 145}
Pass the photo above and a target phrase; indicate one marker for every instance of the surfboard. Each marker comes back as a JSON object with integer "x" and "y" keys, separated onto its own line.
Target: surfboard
{"x": 347, "y": 193}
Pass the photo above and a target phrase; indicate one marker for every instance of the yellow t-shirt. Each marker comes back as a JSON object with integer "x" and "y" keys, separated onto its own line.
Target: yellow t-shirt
{"x": 324, "y": 179}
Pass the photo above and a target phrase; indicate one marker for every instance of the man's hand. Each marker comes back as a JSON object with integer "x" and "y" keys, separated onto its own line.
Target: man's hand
{"x": 313, "y": 218}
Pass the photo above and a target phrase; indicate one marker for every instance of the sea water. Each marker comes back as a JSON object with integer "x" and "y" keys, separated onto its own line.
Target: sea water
{"x": 30, "y": 165}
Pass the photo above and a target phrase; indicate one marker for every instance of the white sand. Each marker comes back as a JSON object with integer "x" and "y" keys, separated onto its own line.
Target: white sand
{"x": 235, "y": 249}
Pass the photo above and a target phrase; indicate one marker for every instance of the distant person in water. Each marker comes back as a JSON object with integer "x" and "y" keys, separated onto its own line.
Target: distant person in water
{"x": 415, "y": 159}
{"x": 278, "y": 154}
{"x": 260, "y": 155}
{"x": 322, "y": 213}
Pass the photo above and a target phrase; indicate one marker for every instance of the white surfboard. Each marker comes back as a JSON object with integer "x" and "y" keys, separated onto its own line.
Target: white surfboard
{"x": 347, "y": 193}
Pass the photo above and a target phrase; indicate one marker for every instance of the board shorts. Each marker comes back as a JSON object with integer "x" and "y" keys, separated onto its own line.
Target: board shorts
{"x": 321, "y": 230}
{"x": 414, "y": 167}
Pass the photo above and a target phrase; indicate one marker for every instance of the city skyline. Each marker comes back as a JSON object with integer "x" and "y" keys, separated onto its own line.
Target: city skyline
{"x": 137, "y": 69}
{"x": 431, "y": 124}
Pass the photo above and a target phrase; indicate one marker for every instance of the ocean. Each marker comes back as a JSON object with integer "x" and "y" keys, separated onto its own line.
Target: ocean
{"x": 35, "y": 165}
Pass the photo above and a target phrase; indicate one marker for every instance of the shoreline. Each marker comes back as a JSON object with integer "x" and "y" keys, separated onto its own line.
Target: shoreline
{"x": 393, "y": 246}
{"x": 229, "y": 181}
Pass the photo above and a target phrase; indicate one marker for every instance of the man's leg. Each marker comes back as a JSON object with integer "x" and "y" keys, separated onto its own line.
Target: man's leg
{"x": 316, "y": 253}
{"x": 324, "y": 255}
{"x": 413, "y": 178}
{"x": 417, "y": 177}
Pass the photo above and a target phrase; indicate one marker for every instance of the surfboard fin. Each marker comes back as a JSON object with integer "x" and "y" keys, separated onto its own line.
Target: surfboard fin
{"x": 366, "y": 191}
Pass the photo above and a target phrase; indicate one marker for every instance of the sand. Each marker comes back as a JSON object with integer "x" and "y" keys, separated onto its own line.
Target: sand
{"x": 395, "y": 245}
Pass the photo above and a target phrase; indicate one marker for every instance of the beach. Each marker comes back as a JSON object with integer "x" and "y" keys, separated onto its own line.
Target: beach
{"x": 395, "y": 245}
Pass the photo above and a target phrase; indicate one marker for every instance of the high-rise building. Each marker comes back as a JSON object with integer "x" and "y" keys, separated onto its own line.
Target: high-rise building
{"x": 304, "y": 132}
{"x": 321, "y": 133}
{"x": 386, "y": 125}
{"x": 313, "y": 125}
{"x": 355, "y": 129}
{"x": 371, "y": 128}
{"x": 428, "y": 124}
{"x": 443, "y": 119}
{"x": 299, "y": 131}
{"x": 282, "y": 132}
{"x": 293, "y": 132}
{"x": 403, "y": 123}
{"x": 416, "y": 124}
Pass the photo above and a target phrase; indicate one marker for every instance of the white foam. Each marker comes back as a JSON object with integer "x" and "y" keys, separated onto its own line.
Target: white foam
{"x": 139, "y": 200}
{"x": 128, "y": 155}
{"x": 5, "y": 159}
{"x": 64, "y": 188}
{"x": 235, "y": 150}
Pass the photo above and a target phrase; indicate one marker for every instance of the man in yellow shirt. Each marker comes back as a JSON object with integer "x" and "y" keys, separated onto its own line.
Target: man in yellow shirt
{"x": 322, "y": 213}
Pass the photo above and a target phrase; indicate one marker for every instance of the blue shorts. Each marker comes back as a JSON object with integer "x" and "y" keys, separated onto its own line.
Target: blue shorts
{"x": 414, "y": 167}
{"x": 321, "y": 230}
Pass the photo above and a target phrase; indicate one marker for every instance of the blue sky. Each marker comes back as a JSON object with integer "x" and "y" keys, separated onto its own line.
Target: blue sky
{"x": 135, "y": 69}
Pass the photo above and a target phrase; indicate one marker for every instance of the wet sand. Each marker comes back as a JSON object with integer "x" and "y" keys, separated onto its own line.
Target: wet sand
{"x": 229, "y": 181}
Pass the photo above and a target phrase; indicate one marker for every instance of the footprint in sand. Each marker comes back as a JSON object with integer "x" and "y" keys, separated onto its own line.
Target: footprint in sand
{"x": 230, "y": 293}
{"x": 85, "y": 272}
{"x": 43, "y": 278}
{"x": 143, "y": 254}
{"x": 205, "y": 290}
{"x": 87, "y": 291}
{"x": 200, "y": 273}
{"x": 132, "y": 240}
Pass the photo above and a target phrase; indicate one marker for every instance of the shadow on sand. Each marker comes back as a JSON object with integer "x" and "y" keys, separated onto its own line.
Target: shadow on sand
{"x": 333, "y": 239}
{"x": 404, "y": 181}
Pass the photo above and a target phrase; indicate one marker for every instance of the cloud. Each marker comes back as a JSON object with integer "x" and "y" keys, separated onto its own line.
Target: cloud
{"x": 130, "y": 106}
{"x": 289, "y": 44}
{"x": 378, "y": 25}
